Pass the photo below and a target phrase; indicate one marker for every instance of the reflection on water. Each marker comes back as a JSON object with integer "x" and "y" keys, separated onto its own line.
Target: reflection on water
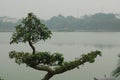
{"x": 72, "y": 45}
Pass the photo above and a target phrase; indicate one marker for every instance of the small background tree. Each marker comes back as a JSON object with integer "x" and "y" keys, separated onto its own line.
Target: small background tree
{"x": 1, "y": 78}
{"x": 31, "y": 30}
{"x": 116, "y": 72}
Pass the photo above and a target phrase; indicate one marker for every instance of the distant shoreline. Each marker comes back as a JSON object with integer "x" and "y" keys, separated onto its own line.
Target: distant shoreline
{"x": 99, "y": 22}
{"x": 72, "y": 31}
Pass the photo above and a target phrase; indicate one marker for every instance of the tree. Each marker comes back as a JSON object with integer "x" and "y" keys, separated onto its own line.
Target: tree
{"x": 1, "y": 78}
{"x": 31, "y": 30}
{"x": 116, "y": 72}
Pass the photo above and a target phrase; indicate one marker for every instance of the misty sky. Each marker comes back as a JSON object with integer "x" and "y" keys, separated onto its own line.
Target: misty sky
{"x": 48, "y": 8}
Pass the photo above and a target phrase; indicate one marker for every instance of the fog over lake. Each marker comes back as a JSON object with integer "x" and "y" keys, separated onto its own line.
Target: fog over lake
{"x": 72, "y": 45}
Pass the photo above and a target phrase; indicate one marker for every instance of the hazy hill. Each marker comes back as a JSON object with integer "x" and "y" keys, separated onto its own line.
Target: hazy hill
{"x": 96, "y": 22}
{"x": 7, "y": 23}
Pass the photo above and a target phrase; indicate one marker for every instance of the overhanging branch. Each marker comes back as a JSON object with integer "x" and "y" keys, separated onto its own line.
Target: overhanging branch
{"x": 90, "y": 57}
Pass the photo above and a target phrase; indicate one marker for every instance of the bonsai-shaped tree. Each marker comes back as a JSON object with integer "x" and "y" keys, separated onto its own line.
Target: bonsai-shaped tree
{"x": 31, "y": 30}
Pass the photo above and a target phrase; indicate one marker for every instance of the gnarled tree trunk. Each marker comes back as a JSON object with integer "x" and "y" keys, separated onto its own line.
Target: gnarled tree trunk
{"x": 47, "y": 76}
{"x": 31, "y": 45}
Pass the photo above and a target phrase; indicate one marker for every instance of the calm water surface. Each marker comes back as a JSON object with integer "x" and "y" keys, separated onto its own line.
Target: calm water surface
{"x": 72, "y": 45}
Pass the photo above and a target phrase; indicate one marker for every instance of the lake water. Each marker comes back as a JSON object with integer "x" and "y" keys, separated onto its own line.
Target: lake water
{"x": 72, "y": 45}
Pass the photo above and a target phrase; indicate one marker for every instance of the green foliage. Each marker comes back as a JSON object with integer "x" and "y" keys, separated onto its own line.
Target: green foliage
{"x": 116, "y": 72}
{"x": 96, "y": 22}
{"x": 90, "y": 57}
{"x": 1, "y": 78}
{"x": 30, "y": 29}
{"x": 55, "y": 59}
{"x": 43, "y": 58}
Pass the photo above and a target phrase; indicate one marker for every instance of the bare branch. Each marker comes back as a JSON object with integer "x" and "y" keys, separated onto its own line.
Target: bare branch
{"x": 42, "y": 68}
{"x": 31, "y": 45}
{"x": 47, "y": 76}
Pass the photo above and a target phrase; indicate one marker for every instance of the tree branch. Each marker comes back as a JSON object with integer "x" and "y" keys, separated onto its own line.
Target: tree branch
{"x": 90, "y": 57}
{"x": 33, "y": 62}
{"x": 71, "y": 65}
{"x": 47, "y": 76}
{"x": 42, "y": 68}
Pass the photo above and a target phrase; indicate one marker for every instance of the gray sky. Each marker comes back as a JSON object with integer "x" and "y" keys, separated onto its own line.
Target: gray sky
{"x": 48, "y": 8}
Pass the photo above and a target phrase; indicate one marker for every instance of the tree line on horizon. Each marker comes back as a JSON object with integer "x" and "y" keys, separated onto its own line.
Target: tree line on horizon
{"x": 96, "y": 22}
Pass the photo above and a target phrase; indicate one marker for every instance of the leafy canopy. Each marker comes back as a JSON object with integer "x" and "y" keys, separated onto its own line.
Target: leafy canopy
{"x": 39, "y": 58}
{"x": 30, "y": 29}
{"x": 55, "y": 59}
{"x": 116, "y": 72}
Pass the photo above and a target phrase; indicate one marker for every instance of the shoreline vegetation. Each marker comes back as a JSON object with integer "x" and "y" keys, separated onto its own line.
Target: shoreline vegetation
{"x": 72, "y": 31}
{"x": 99, "y": 22}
